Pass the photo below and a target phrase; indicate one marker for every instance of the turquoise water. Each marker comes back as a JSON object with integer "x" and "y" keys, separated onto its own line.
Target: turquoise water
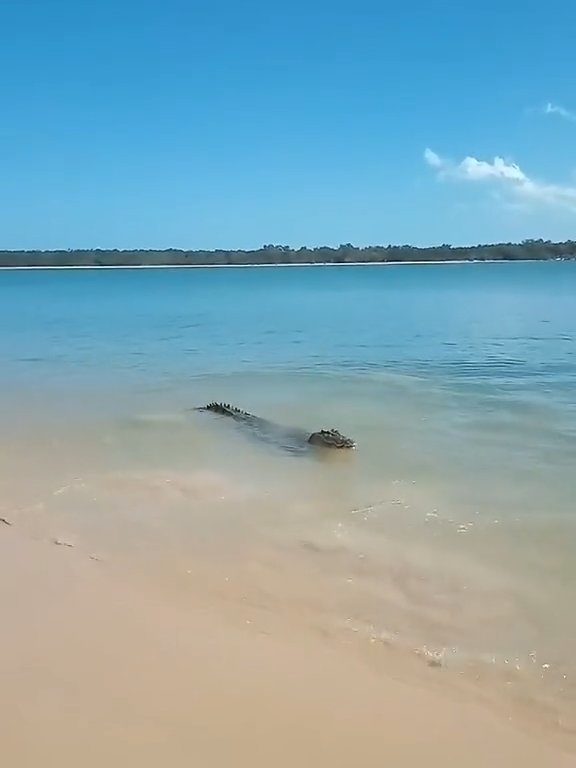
{"x": 509, "y": 326}
{"x": 450, "y": 531}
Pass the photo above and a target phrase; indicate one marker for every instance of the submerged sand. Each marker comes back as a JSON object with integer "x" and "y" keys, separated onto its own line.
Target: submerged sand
{"x": 97, "y": 672}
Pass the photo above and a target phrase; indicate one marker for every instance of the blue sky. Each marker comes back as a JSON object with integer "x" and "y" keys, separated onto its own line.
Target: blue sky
{"x": 228, "y": 125}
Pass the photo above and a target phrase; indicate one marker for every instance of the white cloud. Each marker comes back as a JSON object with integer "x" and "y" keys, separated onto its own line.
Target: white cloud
{"x": 507, "y": 175}
{"x": 432, "y": 158}
{"x": 476, "y": 170}
{"x": 556, "y": 109}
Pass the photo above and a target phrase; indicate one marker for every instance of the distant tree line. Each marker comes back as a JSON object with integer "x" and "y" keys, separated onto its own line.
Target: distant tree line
{"x": 533, "y": 250}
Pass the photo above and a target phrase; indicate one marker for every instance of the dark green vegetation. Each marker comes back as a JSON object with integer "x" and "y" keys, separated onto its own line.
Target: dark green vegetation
{"x": 281, "y": 254}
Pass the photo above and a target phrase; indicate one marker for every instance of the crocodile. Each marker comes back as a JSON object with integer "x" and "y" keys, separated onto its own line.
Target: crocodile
{"x": 290, "y": 438}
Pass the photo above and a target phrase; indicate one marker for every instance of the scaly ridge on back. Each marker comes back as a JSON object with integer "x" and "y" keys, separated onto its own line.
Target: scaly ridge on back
{"x": 224, "y": 409}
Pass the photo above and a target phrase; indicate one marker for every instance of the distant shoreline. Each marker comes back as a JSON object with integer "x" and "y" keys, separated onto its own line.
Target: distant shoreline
{"x": 346, "y": 255}
{"x": 282, "y": 264}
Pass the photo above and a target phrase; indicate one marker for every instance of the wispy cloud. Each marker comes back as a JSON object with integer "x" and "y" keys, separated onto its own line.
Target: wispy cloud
{"x": 433, "y": 159}
{"x": 509, "y": 176}
{"x": 556, "y": 109}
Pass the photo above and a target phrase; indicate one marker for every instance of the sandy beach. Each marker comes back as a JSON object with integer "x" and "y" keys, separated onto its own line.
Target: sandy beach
{"x": 95, "y": 673}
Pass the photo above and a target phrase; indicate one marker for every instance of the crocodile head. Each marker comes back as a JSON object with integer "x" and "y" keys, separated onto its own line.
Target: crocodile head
{"x": 331, "y": 438}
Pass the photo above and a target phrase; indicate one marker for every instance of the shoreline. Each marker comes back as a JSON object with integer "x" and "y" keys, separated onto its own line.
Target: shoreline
{"x": 285, "y": 264}
{"x": 96, "y": 672}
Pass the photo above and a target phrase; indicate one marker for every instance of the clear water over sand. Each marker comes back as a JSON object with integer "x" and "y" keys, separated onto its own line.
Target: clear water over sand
{"x": 449, "y": 534}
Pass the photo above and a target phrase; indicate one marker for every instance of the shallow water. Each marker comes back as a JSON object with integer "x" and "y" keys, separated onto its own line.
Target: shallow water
{"x": 450, "y": 531}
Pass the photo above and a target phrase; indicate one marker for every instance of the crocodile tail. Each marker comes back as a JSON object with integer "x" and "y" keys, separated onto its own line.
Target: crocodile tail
{"x": 224, "y": 409}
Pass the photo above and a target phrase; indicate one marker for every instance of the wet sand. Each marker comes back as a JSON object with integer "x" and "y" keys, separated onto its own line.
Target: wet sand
{"x": 94, "y": 672}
